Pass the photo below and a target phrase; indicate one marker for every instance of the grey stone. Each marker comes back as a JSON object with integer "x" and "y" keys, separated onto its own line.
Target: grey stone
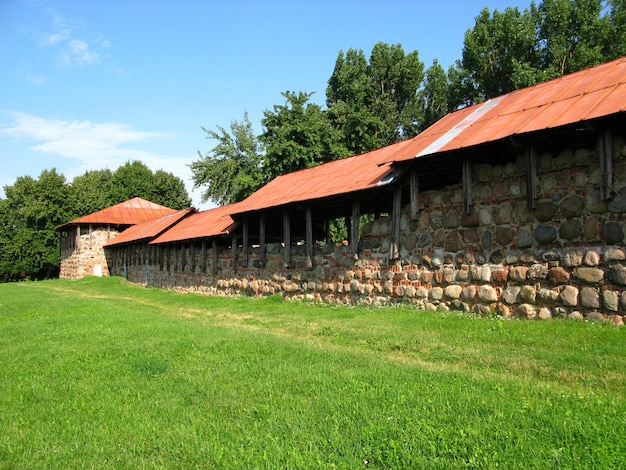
{"x": 572, "y": 207}
{"x": 496, "y": 257}
{"x": 589, "y": 275}
{"x": 436, "y": 293}
{"x": 545, "y": 211}
{"x": 590, "y": 228}
{"x": 410, "y": 241}
{"x": 594, "y": 316}
{"x": 436, "y": 220}
{"x": 518, "y": 274}
{"x": 524, "y": 239}
{"x": 610, "y": 300}
{"x": 569, "y": 296}
{"x": 573, "y": 257}
{"x": 421, "y": 292}
{"x": 487, "y": 294}
{"x": 453, "y": 242}
{"x": 613, "y": 233}
{"x": 613, "y": 253}
{"x": 551, "y": 255}
{"x": 618, "y": 204}
{"x": 470, "y": 220}
{"x": 558, "y": 276}
{"x": 505, "y": 235}
{"x": 504, "y": 215}
{"x": 452, "y": 220}
{"x": 571, "y": 229}
{"x": 589, "y": 298}
{"x": 592, "y": 258}
{"x": 622, "y": 301}
{"x": 486, "y": 240}
{"x": 459, "y": 306}
{"x": 526, "y": 311}
{"x": 617, "y": 274}
{"x": 511, "y": 257}
{"x": 468, "y": 293}
{"x": 546, "y": 234}
{"x": 537, "y": 272}
{"x": 528, "y": 295}
{"x": 439, "y": 237}
{"x": 424, "y": 240}
{"x": 485, "y": 217}
{"x": 510, "y": 295}
{"x": 575, "y": 315}
{"x": 449, "y": 274}
{"x": 528, "y": 256}
{"x": 453, "y": 291}
{"x": 594, "y": 204}
{"x": 545, "y": 313}
{"x": 547, "y": 296}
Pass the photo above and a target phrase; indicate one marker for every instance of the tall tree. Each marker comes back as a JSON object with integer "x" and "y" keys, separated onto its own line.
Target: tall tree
{"x": 231, "y": 170}
{"x": 298, "y": 135}
{"x": 374, "y": 104}
{"x": 28, "y": 216}
{"x": 135, "y": 179}
{"x": 433, "y": 97}
{"x": 91, "y": 192}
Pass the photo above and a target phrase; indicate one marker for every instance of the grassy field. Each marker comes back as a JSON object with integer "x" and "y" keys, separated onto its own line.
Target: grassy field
{"x": 101, "y": 374}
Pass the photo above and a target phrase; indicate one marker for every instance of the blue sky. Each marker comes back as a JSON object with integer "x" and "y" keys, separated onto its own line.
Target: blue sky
{"x": 93, "y": 84}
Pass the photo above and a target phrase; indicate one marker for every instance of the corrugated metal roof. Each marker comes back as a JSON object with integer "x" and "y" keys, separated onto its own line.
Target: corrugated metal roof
{"x": 589, "y": 94}
{"x": 210, "y": 223}
{"x": 150, "y": 229}
{"x": 131, "y": 212}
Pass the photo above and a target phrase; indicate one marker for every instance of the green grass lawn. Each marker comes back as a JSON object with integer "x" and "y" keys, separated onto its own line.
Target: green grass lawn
{"x": 101, "y": 374}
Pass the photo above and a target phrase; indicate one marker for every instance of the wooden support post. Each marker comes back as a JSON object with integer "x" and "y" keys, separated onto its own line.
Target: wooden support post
{"x": 287, "y": 237}
{"x": 175, "y": 261}
{"x": 192, "y": 257}
{"x": 605, "y": 154}
{"x": 183, "y": 257}
{"x": 77, "y": 242}
{"x": 160, "y": 257}
{"x": 203, "y": 254}
{"x": 394, "y": 249}
{"x": 244, "y": 244}
{"x": 531, "y": 178}
{"x": 214, "y": 256}
{"x": 414, "y": 195}
{"x": 262, "y": 241}
{"x": 233, "y": 248}
{"x": 309, "y": 236}
{"x": 467, "y": 186}
{"x": 354, "y": 232}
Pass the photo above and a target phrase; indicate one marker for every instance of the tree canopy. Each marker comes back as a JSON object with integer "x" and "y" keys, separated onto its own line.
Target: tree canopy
{"x": 32, "y": 208}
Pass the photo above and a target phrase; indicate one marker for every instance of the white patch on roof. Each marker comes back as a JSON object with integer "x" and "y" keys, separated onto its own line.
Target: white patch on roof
{"x": 479, "y": 111}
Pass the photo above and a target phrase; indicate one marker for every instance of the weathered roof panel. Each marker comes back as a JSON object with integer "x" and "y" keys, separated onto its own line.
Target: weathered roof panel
{"x": 151, "y": 228}
{"x": 209, "y": 223}
{"x": 131, "y": 212}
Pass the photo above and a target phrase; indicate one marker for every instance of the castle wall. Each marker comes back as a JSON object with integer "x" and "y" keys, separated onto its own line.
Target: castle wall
{"x": 82, "y": 252}
{"x": 565, "y": 257}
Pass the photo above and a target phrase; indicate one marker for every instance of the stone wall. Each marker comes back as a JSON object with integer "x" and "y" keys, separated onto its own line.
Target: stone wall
{"x": 82, "y": 252}
{"x": 566, "y": 257}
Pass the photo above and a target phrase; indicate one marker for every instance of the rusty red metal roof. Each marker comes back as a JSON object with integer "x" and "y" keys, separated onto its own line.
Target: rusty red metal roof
{"x": 209, "y": 223}
{"x": 150, "y": 229}
{"x": 131, "y": 212}
{"x": 581, "y": 96}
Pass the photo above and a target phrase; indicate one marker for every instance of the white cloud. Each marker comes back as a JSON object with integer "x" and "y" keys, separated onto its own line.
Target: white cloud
{"x": 95, "y": 146}
{"x": 72, "y": 50}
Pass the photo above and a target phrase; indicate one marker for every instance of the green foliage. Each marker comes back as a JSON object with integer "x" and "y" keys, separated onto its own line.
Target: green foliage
{"x": 375, "y": 104}
{"x": 231, "y": 171}
{"x": 99, "y": 373}
{"x": 433, "y": 97}
{"x": 508, "y": 50}
{"x": 29, "y": 245}
{"x": 91, "y": 192}
{"x": 297, "y": 135}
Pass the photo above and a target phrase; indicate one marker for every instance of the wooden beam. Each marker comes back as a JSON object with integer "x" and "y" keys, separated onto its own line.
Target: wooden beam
{"x": 245, "y": 242}
{"x": 183, "y": 257}
{"x": 467, "y": 186}
{"x": 531, "y": 178}
{"x": 414, "y": 195}
{"x": 309, "y": 236}
{"x": 394, "y": 249}
{"x": 233, "y": 249}
{"x": 262, "y": 240}
{"x": 287, "y": 237}
{"x": 214, "y": 256}
{"x": 354, "y": 232}
{"x": 192, "y": 256}
{"x": 605, "y": 154}
{"x": 203, "y": 266}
